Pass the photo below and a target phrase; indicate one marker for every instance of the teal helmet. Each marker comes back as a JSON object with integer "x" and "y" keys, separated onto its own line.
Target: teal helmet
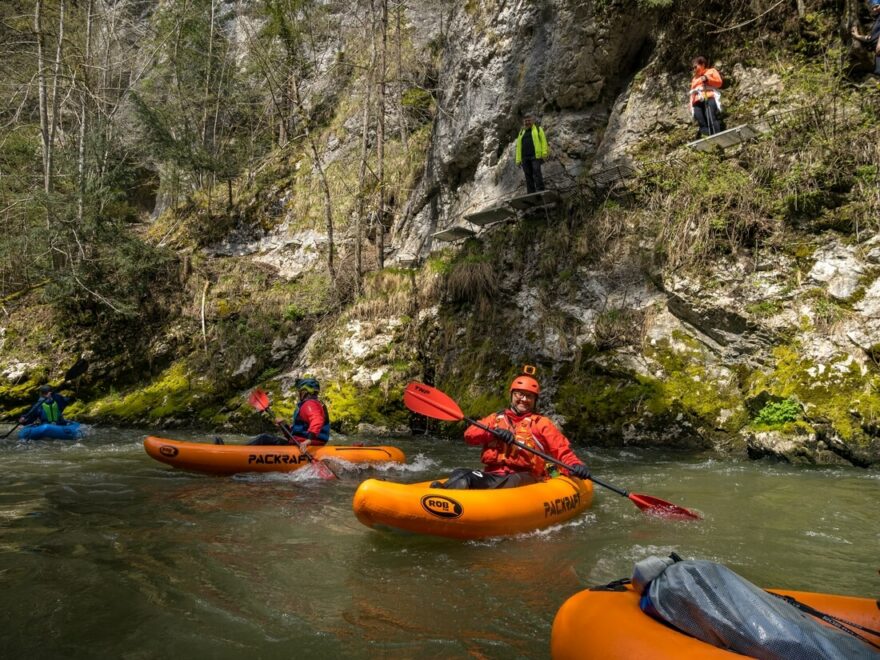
{"x": 308, "y": 384}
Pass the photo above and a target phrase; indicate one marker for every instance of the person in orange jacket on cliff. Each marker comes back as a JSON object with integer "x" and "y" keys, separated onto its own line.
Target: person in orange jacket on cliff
{"x": 705, "y": 96}
{"x": 508, "y": 466}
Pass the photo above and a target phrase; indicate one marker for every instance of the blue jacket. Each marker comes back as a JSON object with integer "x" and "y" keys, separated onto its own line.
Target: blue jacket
{"x": 42, "y": 412}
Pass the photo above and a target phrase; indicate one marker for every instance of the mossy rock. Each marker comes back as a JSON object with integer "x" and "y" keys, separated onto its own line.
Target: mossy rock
{"x": 350, "y": 405}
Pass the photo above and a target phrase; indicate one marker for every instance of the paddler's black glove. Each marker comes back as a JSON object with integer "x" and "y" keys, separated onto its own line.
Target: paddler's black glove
{"x": 580, "y": 471}
{"x": 505, "y": 436}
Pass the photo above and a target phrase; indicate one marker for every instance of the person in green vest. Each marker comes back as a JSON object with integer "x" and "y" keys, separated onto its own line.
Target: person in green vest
{"x": 531, "y": 150}
{"x": 47, "y": 410}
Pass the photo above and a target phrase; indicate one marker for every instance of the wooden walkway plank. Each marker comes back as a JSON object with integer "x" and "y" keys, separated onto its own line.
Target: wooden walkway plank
{"x": 724, "y": 139}
{"x": 454, "y": 233}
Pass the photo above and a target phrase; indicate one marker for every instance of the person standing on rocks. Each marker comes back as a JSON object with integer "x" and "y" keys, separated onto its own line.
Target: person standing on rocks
{"x": 531, "y": 150}
{"x": 705, "y": 97}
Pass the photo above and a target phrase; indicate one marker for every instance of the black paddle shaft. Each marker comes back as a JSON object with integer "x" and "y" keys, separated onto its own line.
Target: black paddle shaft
{"x": 10, "y": 431}
{"x": 289, "y": 435}
{"x": 546, "y": 457}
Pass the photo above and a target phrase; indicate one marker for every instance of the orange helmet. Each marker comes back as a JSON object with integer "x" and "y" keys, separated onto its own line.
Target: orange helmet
{"x": 526, "y": 384}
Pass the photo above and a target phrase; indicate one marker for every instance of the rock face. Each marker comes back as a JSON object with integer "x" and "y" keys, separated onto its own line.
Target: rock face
{"x": 769, "y": 350}
{"x": 500, "y": 66}
{"x": 632, "y": 354}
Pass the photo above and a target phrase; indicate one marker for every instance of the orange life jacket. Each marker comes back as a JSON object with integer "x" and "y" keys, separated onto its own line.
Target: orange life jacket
{"x": 702, "y": 91}
{"x": 499, "y": 456}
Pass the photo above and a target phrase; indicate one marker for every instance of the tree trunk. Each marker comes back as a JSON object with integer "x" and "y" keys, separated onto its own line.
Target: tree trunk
{"x": 41, "y": 83}
{"x": 206, "y": 97}
{"x": 362, "y": 171}
{"x": 380, "y": 140}
{"x": 400, "y": 114}
{"x": 83, "y": 120}
{"x": 56, "y": 100}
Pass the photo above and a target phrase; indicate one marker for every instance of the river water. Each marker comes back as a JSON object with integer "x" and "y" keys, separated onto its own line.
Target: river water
{"x": 107, "y": 553}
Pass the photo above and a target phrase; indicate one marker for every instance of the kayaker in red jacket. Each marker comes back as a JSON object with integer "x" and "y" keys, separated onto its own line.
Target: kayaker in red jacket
{"x": 310, "y": 420}
{"x": 508, "y": 466}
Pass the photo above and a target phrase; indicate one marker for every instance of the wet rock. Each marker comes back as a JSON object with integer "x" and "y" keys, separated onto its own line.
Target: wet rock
{"x": 838, "y": 267}
{"x": 15, "y": 372}
{"x": 247, "y": 367}
{"x": 801, "y": 448}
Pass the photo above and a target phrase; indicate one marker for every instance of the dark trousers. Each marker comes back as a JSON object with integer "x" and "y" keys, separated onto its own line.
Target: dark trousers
{"x": 268, "y": 439}
{"x": 707, "y": 115}
{"x": 463, "y": 479}
{"x": 534, "y": 179}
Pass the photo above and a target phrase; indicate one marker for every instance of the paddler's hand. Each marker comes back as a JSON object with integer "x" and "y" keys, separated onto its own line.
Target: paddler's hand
{"x": 505, "y": 436}
{"x": 21, "y": 419}
{"x": 580, "y": 471}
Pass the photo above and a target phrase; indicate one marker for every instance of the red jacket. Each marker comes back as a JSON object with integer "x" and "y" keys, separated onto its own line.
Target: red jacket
{"x": 531, "y": 429}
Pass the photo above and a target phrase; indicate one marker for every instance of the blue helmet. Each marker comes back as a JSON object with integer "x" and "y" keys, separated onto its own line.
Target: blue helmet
{"x": 309, "y": 384}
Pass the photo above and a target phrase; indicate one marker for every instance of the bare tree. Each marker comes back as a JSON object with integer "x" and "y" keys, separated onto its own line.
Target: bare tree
{"x": 41, "y": 82}
{"x": 370, "y": 28}
{"x": 398, "y": 38}
{"x": 56, "y": 99}
{"x": 83, "y": 118}
{"x": 380, "y": 139}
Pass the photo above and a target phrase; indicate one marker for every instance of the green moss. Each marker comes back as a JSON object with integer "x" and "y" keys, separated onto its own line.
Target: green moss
{"x": 837, "y": 391}
{"x": 350, "y": 405}
{"x": 687, "y": 384}
{"x": 603, "y": 401}
{"x": 765, "y": 308}
{"x": 175, "y": 393}
{"x": 17, "y": 398}
{"x": 417, "y": 98}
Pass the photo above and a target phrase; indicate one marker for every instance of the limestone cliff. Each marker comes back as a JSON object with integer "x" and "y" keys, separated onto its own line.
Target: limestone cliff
{"x": 726, "y": 300}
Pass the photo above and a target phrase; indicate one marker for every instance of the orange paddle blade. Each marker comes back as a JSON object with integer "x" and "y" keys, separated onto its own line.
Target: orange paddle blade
{"x": 431, "y": 402}
{"x": 259, "y": 400}
{"x": 323, "y": 470}
{"x": 662, "y": 508}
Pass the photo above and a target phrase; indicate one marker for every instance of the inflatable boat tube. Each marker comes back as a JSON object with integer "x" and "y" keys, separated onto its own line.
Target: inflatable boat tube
{"x": 229, "y": 459}
{"x": 469, "y": 514}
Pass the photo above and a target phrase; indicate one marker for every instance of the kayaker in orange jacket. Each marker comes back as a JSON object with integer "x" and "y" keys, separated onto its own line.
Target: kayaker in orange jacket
{"x": 705, "y": 96}
{"x": 508, "y": 466}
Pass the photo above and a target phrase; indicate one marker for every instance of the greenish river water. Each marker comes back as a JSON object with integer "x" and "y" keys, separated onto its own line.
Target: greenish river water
{"x": 107, "y": 553}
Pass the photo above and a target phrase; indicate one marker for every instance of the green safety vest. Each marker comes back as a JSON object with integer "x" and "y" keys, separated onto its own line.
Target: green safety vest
{"x": 538, "y": 139}
{"x": 51, "y": 412}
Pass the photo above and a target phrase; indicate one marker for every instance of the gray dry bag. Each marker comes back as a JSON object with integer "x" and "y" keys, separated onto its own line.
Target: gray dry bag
{"x": 712, "y": 603}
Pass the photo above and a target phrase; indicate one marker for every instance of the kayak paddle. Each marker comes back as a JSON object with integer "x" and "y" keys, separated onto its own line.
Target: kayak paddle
{"x": 431, "y": 402}
{"x": 260, "y": 401}
{"x": 10, "y": 431}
